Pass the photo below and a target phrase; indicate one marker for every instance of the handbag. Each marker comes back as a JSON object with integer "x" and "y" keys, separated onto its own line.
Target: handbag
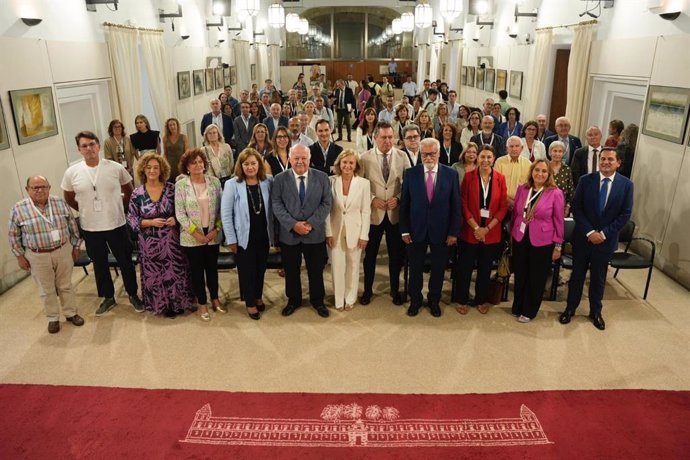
{"x": 504, "y": 268}
{"x": 495, "y": 293}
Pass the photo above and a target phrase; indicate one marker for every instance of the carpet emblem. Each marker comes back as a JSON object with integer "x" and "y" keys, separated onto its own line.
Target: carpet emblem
{"x": 350, "y": 425}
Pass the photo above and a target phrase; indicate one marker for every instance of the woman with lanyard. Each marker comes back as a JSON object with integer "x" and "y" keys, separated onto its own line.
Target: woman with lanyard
{"x": 532, "y": 148}
{"x": 512, "y": 125}
{"x": 259, "y": 140}
{"x": 364, "y": 140}
{"x": 537, "y": 234}
{"x": 472, "y": 129}
{"x": 248, "y": 224}
{"x": 484, "y": 206}
{"x": 277, "y": 160}
{"x": 118, "y": 147}
{"x": 450, "y": 149}
{"x": 400, "y": 120}
{"x": 221, "y": 161}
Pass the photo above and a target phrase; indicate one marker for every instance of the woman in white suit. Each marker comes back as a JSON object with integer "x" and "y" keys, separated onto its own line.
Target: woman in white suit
{"x": 347, "y": 228}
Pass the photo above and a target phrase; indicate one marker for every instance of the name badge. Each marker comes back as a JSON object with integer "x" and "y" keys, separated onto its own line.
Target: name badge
{"x": 55, "y": 235}
{"x": 97, "y": 205}
{"x": 484, "y": 213}
{"x": 124, "y": 163}
{"x": 522, "y": 227}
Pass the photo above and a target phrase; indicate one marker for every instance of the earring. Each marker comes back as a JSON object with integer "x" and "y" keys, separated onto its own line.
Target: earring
{"x": 188, "y": 173}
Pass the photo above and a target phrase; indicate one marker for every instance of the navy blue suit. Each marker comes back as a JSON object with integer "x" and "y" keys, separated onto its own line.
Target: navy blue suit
{"x": 227, "y": 127}
{"x": 317, "y": 158}
{"x": 268, "y": 121}
{"x": 574, "y": 142}
{"x": 610, "y": 222}
{"x": 429, "y": 224}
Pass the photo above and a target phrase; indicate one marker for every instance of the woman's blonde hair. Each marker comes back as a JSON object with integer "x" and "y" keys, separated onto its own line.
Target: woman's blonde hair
{"x": 344, "y": 154}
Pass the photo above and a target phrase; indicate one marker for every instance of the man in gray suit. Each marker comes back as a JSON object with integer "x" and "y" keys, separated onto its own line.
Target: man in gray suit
{"x": 243, "y": 128}
{"x": 301, "y": 199}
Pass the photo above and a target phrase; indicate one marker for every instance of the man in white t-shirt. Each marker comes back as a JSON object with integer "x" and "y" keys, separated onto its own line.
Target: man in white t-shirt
{"x": 100, "y": 189}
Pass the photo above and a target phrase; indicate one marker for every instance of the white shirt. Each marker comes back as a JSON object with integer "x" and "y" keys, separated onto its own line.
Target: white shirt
{"x": 409, "y": 88}
{"x": 297, "y": 181}
{"x": 109, "y": 177}
{"x": 218, "y": 120}
{"x": 434, "y": 175}
{"x": 303, "y": 139}
{"x": 601, "y": 182}
{"x": 387, "y": 115}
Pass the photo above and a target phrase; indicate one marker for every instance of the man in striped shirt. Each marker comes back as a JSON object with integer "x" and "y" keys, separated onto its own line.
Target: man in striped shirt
{"x": 44, "y": 238}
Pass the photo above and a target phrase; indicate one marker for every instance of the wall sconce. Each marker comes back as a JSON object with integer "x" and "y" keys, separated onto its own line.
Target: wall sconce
{"x": 91, "y": 4}
{"x": 533, "y": 14}
{"x": 215, "y": 24}
{"x": 184, "y": 37}
{"x": 485, "y": 22}
{"x": 31, "y": 21}
{"x": 162, "y": 15}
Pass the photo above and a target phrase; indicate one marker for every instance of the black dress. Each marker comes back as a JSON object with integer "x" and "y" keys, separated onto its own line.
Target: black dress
{"x": 145, "y": 141}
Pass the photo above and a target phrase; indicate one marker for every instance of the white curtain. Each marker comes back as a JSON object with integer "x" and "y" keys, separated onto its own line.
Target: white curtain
{"x": 274, "y": 65}
{"x": 124, "y": 61}
{"x": 242, "y": 63}
{"x": 160, "y": 74}
{"x": 262, "y": 69}
{"x": 433, "y": 61}
{"x": 578, "y": 76}
{"x": 422, "y": 51}
{"x": 535, "y": 91}
{"x": 454, "y": 66}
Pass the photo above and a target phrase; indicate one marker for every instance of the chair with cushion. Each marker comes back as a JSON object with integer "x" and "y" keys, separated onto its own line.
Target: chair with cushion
{"x": 628, "y": 260}
{"x": 566, "y": 260}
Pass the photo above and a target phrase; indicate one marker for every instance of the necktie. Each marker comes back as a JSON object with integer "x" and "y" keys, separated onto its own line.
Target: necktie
{"x": 342, "y": 99}
{"x": 602, "y": 194}
{"x": 594, "y": 160}
{"x": 430, "y": 184}
{"x": 302, "y": 190}
{"x": 385, "y": 169}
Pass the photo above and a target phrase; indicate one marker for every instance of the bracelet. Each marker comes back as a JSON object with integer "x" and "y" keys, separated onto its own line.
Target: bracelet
{"x": 558, "y": 246}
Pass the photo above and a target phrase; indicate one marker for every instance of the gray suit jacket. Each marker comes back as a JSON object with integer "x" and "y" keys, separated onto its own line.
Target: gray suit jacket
{"x": 242, "y": 135}
{"x": 288, "y": 210}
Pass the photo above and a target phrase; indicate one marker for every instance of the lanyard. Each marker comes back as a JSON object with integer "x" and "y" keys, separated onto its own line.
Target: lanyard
{"x": 94, "y": 178}
{"x": 533, "y": 196}
{"x": 49, "y": 219}
{"x": 512, "y": 131}
{"x": 481, "y": 139}
{"x": 447, "y": 150}
{"x": 485, "y": 190}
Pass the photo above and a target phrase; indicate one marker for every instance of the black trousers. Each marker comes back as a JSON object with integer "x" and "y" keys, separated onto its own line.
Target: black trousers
{"x": 97, "y": 244}
{"x": 344, "y": 116}
{"x": 587, "y": 256}
{"x": 416, "y": 253}
{"x": 395, "y": 246}
{"x": 251, "y": 269}
{"x": 203, "y": 260}
{"x": 483, "y": 256}
{"x": 315, "y": 259}
{"x": 531, "y": 265}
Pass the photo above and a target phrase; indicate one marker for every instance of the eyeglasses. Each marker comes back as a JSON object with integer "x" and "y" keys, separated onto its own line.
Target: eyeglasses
{"x": 282, "y": 136}
{"x": 411, "y": 138}
{"x": 88, "y": 146}
{"x": 39, "y": 188}
{"x": 429, "y": 154}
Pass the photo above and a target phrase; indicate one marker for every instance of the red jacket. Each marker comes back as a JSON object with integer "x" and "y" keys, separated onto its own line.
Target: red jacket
{"x": 498, "y": 205}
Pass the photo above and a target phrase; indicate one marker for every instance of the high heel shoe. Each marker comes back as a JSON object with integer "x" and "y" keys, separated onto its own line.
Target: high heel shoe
{"x": 217, "y": 306}
{"x": 260, "y": 306}
{"x": 255, "y": 316}
{"x": 205, "y": 316}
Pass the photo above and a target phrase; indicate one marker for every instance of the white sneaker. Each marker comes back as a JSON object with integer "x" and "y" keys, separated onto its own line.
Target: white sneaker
{"x": 524, "y": 319}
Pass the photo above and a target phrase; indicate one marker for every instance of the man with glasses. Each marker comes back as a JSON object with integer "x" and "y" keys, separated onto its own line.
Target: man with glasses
{"x": 384, "y": 166}
{"x": 44, "y": 238}
{"x": 411, "y": 137}
{"x": 100, "y": 191}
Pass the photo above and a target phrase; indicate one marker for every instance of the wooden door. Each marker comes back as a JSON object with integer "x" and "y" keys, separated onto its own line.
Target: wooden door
{"x": 559, "y": 93}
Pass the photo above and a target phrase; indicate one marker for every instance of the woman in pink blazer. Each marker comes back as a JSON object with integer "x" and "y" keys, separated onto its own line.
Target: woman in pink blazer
{"x": 536, "y": 228}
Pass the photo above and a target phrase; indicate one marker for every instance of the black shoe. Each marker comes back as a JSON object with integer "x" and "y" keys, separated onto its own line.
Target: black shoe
{"x": 413, "y": 310}
{"x": 339, "y": 139}
{"x": 349, "y": 139}
{"x": 366, "y": 298}
{"x": 598, "y": 322}
{"x": 136, "y": 303}
{"x": 435, "y": 309}
{"x": 255, "y": 316}
{"x": 322, "y": 311}
{"x": 565, "y": 317}
{"x": 261, "y": 308}
{"x": 289, "y": 309}
{"x": 398, "y": 298}
{"x": 170, "y": 313}
{"x": 107, "y": 304}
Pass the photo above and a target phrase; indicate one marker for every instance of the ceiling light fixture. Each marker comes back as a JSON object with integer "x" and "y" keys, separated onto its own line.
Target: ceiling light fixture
{"x": 276, "y": 15}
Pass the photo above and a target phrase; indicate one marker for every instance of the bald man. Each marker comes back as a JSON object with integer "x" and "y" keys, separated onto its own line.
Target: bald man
{"x": 44, "y": 237}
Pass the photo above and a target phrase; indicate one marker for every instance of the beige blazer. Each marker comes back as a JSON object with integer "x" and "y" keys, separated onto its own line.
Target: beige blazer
{"x": 371, "y": 169}
{"x": 354, "y": 216}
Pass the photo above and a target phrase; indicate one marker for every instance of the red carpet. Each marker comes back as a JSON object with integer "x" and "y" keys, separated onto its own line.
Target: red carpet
{"x": 60, "y": 422}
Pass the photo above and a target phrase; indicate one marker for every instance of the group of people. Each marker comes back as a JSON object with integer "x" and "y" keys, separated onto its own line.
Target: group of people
{"x": 434, "y": 176}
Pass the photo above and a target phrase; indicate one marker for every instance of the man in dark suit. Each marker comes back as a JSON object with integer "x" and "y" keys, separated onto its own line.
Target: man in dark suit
{"x": 429, "y": 216}
{"x": 243, "y": 127}
{"x": 344, "y": 103}
{"x": 324, "y": 152}
{"x": 602, "y": 205}
{"x": 218, "y": 118}
{"x": 301, "y": 200}
{"x": 274, "y": 120}
{"x": 543, "y": 131}
{"x": 411, "y": 137}
{"x": 571, "y": 143}
{"x": 264, "y": 106}
{"x": 586, "y": 159}
{"x": 487, "y": 136}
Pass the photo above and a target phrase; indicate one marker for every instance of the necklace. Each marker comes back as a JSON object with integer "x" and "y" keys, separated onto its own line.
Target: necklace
{"x": 251, "y": 199}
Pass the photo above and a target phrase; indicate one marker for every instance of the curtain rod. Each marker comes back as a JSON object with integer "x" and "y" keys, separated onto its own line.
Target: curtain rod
{"x": 140, "y": 29}
{"x": 584, "y": 23}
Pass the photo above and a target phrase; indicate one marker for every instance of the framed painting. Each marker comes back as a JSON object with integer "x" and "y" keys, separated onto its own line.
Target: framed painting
{"x": 470, "y": 76}
{"x": 218, "y": 72}
{"x": 490, "y": 80}
{"x": 666, "y": 113}
{"x": 463, "y": 75}
{"x": 198, "y": 77}
{"x": 233, "y": 75}
{"x": 501, "y": 78}
{"x": 210, "y": 80}
{"x": 252, "y": 70}
{"x": 226, "y": 75}
{"x": 515, "y": 90}
{"x": 184, "y": 87}
{"x": 4, "y": 139}
{"x": 480, "y": 78}
{"x": 34, "y": 114}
